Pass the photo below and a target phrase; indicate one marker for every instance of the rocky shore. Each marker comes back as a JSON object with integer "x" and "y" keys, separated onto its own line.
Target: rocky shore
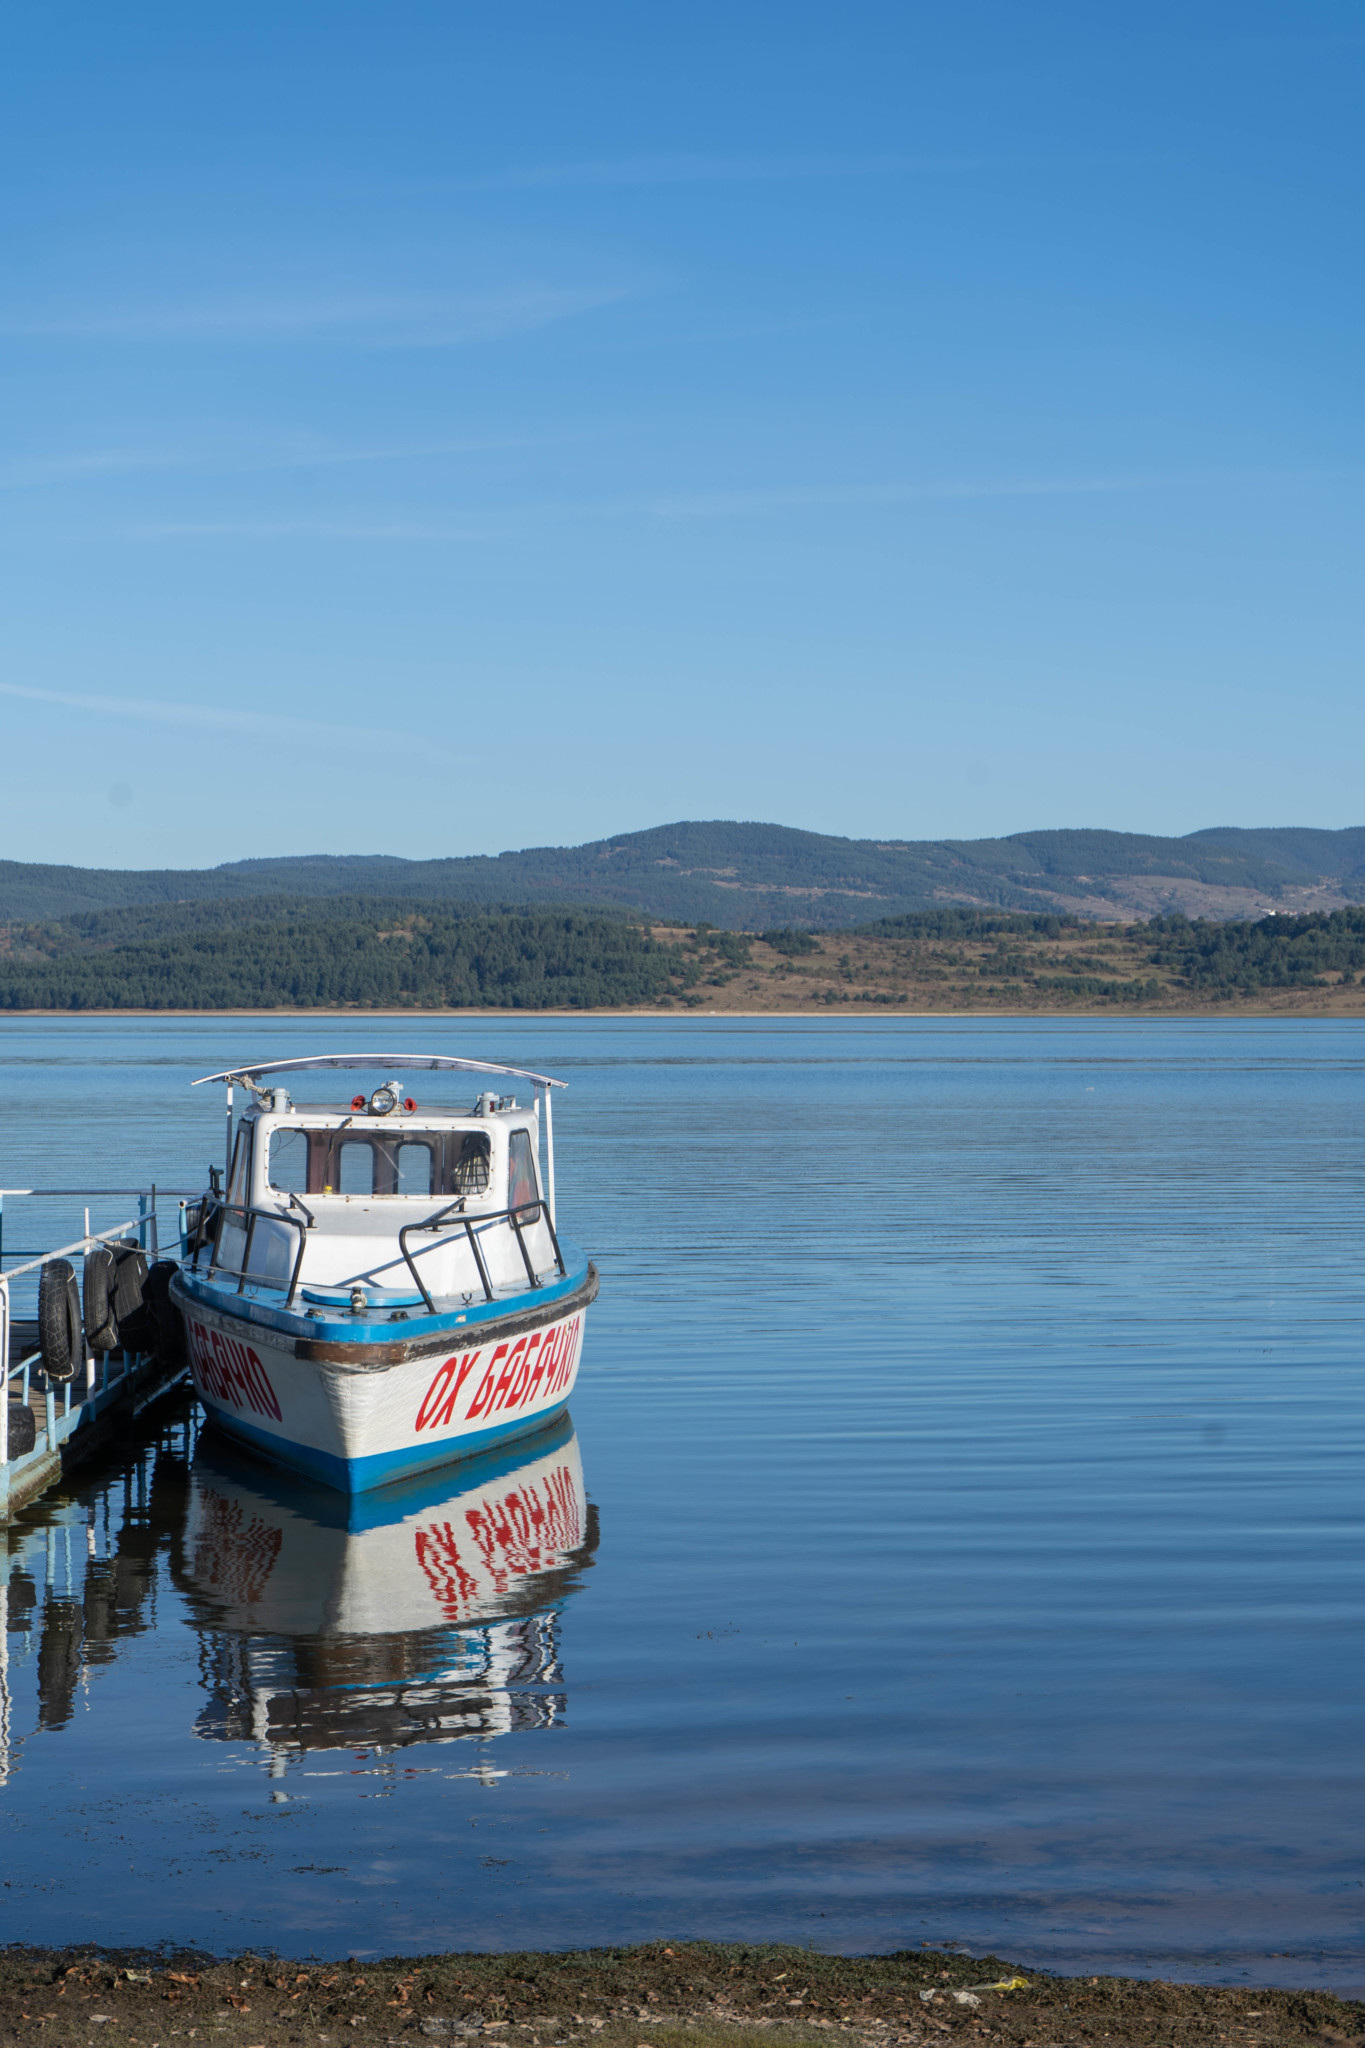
{"x": 663, "y": 1995}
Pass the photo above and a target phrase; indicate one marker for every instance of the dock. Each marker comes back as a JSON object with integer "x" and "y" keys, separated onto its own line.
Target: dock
{"x": 76, "y": 1419}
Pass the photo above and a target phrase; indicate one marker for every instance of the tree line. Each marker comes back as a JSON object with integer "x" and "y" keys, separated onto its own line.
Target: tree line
{"x": 1308, "y": 951}
{"x": 431, "y": 959}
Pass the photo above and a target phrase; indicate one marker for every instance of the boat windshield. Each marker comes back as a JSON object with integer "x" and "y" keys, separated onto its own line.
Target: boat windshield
{"x": 396, "y": 1162}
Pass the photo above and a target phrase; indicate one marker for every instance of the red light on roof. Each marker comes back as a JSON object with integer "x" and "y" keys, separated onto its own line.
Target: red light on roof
{"x": 357, "y": 1102}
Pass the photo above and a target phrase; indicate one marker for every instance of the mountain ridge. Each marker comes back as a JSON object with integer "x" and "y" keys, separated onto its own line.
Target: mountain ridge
{"x": 749, "y": 875}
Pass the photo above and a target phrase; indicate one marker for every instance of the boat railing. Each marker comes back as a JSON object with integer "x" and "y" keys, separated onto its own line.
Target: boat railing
{"x": 522, "y": 1216}
{"x": 144, "y": 1225}
{"x": 250, "y": 1216}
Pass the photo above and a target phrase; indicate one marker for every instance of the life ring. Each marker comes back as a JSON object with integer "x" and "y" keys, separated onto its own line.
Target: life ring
{"x": 59, "y": 1319}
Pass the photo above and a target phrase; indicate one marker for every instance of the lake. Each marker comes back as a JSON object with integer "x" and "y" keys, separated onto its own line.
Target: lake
{"x": 962, "y": 1532}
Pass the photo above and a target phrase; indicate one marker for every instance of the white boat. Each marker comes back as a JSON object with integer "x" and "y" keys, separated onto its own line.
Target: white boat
{"x": 380, "y": 1287}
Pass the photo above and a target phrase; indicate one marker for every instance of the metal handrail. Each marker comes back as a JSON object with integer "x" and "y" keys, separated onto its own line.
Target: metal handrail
{"x": 81, "y": 1244}
{"x": 144, "y": 1223}
{"x": 514, "y": 1216}
{"x": 518, "y": 1217}
{"x": 251, "y": 1214}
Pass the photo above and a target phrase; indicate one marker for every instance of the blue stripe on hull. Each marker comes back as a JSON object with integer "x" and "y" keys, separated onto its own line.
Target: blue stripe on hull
{"x": 360, "y": 1475}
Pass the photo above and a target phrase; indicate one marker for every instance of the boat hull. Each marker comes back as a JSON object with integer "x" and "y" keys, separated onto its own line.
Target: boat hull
{"x": 357, "y": 1416}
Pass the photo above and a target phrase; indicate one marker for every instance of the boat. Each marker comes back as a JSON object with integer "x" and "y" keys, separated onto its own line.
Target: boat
{"x": 377, "y": 1288}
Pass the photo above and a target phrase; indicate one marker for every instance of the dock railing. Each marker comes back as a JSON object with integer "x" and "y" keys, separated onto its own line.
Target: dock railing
{"x": 145, "y": 1224}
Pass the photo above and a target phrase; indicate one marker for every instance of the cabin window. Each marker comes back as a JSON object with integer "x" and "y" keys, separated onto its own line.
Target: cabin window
{"x": 354, "y": 1167}
{"x": 230, "y": 1248}
{"x": 521, "y": 1171}
{"x": 469, "y": 1164}
{"x": 239, "y": 1179}
{"x": 413, "y": 1168}
{"x": 288, "y": 1169}
{"x": 410, "y": 1163}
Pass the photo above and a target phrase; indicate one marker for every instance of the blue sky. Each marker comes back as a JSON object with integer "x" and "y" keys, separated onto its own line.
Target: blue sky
{"x": 433, "y": 429}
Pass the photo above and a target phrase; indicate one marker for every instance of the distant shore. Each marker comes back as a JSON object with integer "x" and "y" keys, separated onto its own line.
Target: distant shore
{"x": 1350, "y": 1004}
{"x": 415, "y": 962}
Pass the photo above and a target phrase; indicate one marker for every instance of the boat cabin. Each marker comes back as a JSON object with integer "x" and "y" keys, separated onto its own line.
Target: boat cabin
{"x": 377, "y": 1204}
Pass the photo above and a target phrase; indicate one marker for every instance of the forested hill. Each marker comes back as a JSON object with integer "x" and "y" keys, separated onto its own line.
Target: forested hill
{"x": 347, "y": 953}
{"x": 746, "y": 876}
{"x": 340, "y": 953}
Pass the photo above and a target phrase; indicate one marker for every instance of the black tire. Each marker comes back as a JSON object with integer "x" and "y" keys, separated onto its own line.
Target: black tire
{"x": 59, "y": 1319}
{"x": 132, "y": 1274}
{"x": 101, "y": 1323}
{"x": 23, "y": 1430}
{"x": 170, "y": 1329}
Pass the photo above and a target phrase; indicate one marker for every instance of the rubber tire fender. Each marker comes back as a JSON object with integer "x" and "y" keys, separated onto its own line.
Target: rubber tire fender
{"x": 131, "y": 1261}
{"x": 171, "y": 1347}
{"x": 60, "y": 1333}
{"x": 23, "y": 1431}
{"x": 101, "y": 1323}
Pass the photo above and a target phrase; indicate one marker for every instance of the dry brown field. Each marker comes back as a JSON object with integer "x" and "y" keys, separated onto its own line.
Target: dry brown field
{"x": 1013, "y": 974}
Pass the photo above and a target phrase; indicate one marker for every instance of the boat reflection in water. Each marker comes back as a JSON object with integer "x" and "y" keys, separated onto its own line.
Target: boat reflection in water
{"x": 427, "y": 1612}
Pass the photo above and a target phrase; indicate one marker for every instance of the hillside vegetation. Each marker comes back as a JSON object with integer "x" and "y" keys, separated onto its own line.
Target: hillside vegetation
{"x": 748, "y": 876}
{"x": 363, "y": 954}
{"x": 372, "y": 956}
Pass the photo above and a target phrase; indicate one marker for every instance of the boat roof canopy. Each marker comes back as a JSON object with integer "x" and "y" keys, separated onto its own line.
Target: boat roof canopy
{"x": 408, "y": 1063}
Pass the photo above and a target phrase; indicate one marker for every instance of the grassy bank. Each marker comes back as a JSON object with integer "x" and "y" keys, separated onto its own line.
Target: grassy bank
{"x": 658, "y": 1996}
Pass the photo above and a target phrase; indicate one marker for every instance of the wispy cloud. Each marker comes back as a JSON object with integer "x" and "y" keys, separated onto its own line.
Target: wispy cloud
{"x": 701, "y": 168}
{"x": 801, "y": 497}
{"x": 479, "y": 523}
{"x": 311, "y": 529}
{"x": 242, "y": 719}
{"x": 817, "y": 497}
{"x": 240, "y": 454}
{"x": 379, "y": 320}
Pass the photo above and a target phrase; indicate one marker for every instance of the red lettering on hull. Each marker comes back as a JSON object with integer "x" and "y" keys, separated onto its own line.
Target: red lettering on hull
{"x": 230, "y": 1372}
{"x": 441, "y": 1395}
{"x": 516, "y": 1376}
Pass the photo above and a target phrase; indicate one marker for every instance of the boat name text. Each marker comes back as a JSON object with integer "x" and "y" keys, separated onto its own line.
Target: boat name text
{"x": 517, "y": 1374}
{"x": 230, "y": 1372}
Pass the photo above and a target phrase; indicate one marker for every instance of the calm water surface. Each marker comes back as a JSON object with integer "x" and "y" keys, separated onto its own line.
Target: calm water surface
{"x": 960, "y": 1534}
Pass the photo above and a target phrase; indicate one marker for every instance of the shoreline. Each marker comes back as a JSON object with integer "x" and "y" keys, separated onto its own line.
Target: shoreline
{"x": 675, "y": 1993}
{"x": 1127, "y": 1015}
